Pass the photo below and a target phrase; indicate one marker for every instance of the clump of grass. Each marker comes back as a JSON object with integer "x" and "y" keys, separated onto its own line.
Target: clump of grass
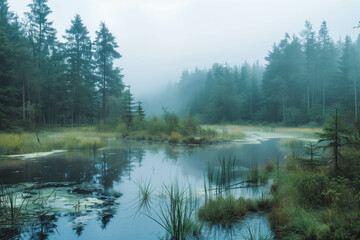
{"x": 264, "y": 203}
{"x": 256, "y": 176}
{"x": 226, "y": 210}
{"x": 176, "y": 208}
{"x": 144, "y": 196}
{"x": 307, "y": 225}
{"x": 227, "y": 171}
{"x": 223, "y": 175}
{"x": 269, "y": 167}
{"x": 223, "y": 210}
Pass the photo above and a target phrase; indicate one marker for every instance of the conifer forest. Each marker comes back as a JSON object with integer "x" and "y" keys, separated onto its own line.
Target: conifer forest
{"x": 182, "y": 119}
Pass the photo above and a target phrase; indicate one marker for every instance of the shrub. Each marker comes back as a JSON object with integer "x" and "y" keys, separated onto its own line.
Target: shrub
{"x": 175, "y": 137}
{"x": 155, "y": 126}
{"x": 188, "y": 126}
{"x": 311, "y": 188}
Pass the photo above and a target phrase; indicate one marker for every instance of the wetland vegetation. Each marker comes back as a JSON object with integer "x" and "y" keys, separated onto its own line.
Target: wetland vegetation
{"x": 269, "y": 150}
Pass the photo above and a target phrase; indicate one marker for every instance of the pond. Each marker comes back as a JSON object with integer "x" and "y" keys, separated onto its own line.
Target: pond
{"x": 93, "y": 195}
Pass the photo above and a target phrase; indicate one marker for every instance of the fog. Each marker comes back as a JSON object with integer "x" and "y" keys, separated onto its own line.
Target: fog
{"x": 158, "y": 39}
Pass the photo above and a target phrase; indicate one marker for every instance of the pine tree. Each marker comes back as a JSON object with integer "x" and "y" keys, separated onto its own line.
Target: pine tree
{"x": 43, "y": 42}
{"x": 80, "y": 69}
{"x": 15, "y": 69}
{"x": 105, "y": 54}
{"x": 310, "y": 51}
{"x": 327, "y": 60}
{"x": 128, "y": 107}
{"x": 347, "y": 75}
{"x": 41, "y": 33}
{"x": 140, "y": 113}
{"x": 334, "y": 136}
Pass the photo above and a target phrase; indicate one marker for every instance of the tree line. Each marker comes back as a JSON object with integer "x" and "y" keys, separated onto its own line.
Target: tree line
{"x": 52, "y": 82}
{"x": 305, "y": 78}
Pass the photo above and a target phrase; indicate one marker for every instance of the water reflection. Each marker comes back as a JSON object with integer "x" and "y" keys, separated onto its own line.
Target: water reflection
{"x": 101, "y": 183}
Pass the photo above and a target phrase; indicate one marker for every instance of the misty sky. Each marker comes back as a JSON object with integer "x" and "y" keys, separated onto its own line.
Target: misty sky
{"x": 160, "y": 38}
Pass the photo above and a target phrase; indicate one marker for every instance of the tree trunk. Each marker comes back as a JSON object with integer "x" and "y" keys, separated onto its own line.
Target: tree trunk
{"x": 23, "y": 100}
{"x": 355, "y": 99}
{"x": 336, "y": 147}
{"x": 323, "y": 98}
{"x": 104, "y": 92}
{"x": 308, "y": 96}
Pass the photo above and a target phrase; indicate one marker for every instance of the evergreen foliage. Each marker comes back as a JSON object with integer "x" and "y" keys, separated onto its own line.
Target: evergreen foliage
{"x": 305, "y": 78}
{"x": 67, "y": 82}
{"x": 335, "y": 136}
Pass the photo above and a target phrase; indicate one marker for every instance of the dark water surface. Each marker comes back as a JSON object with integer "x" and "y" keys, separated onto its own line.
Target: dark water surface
{"x": 96, "y": 192}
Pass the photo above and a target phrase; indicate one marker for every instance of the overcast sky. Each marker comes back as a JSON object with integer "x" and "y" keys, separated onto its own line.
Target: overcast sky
{"x": 158, "y": 39}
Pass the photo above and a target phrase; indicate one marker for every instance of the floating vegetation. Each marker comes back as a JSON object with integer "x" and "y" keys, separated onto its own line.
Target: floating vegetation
{"x": 24, "y": 207}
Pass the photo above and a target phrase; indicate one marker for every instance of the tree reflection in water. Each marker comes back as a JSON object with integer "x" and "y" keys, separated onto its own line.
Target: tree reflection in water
{"x": 86, "y": 170}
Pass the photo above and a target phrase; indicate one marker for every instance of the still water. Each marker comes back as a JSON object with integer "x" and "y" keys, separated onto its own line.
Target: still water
{"x": 94, "y": 194}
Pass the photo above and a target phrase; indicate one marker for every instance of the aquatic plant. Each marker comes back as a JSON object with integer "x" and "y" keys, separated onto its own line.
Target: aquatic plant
{"x": 226, "y": 173}
{"x": 176, "y": 208}
{"x": 256, "y": 233}
{"x": 226, "y": 210}
{"x": 10, "y": 209}
{"x": 144, "y": 196}
{"x": 256, "y": 176}
{"x": 223, "y": 210}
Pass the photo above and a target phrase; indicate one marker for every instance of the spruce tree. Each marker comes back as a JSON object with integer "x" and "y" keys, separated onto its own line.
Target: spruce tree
{"x": 140, "y": 113}
{"x": 128, "y": 107}
{"x": 334, "y": 136}
{"x": 79, "y": 69}
{"x": 105, "y": 53}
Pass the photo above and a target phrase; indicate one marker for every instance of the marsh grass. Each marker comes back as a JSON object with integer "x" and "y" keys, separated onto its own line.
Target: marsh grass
{"x": 174, "y": 210}
{"x": 307, "y": 225}
{"x": 223, "y": 210}
{"x": 227, "y": 210}
{"x": 313, "y": 204}
{"x": 144, "y": 196}
{"x": 58, "y": 139}
{"x": 224, "y": 132}
{"x": 294, "y": 148}
{"x": 256, "y": 233}
{"x": 223, "y": 175}
{"x": 228, "y": 175}
{"x": 11, "y": 206}
{"x": 256, "y": 175}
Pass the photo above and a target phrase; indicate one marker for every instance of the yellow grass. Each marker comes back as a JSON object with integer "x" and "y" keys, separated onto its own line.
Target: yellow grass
{"x": 85, "y": 138}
